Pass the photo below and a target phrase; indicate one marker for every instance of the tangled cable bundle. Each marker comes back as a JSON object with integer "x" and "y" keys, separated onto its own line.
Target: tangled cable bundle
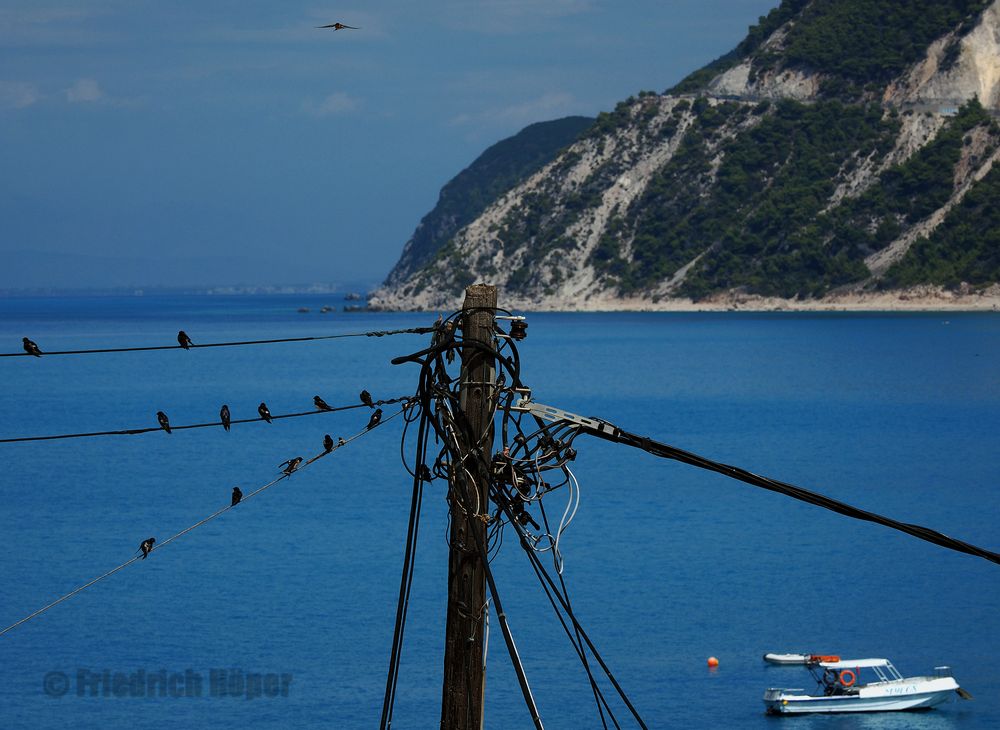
{"x": 531, "y": 462}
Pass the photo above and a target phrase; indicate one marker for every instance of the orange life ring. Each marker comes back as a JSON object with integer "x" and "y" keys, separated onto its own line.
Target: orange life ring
{"x": 844, "y": 678}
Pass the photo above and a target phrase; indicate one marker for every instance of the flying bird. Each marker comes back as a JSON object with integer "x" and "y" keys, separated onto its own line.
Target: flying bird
{"x": 375, "y": 419}
{"x": 328, "y": 443}
{"x": 164, "y": 422}
{"x": 366, "y": 398}
{"x": 184, "y": 340}
{"x": 146, "y": 546}
{"x": 264, "y": 413}
{"x": 338, "y": 26}
{"x": 237, "y": 496}
{"x": 30, "y": 347}
{"x": 224, "y": 415}
{"x": 321, "y": 404}
{"x": 290, "y": 465}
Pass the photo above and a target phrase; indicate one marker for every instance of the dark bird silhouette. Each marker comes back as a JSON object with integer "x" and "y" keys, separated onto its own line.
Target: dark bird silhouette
{"x": 164, "y": 422}
{"x": 224, "y": 415}
{"x": 340, "y": 441}
{"x": 366, "y": 398}
{"x": 30, "y": 347}
{"x": 290, "y": 465}
{"x": 375, "y": 419}
{"x": 264, "y": 413}
{"x": 321, "y": 404}
{"x": 328, "y": 443}
{"x": 146, "y": 546}
{"x": 184, "y": 340}
{"x": 338, "y": 26}
{"x": 237, "y": 496}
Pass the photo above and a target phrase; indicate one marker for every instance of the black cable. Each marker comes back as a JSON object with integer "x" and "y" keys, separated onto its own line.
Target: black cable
{"x": 790, "y": 490}
{"x": 375, "y": 333}
{"x": 406, "y": 579}
{"x": 577, "y": 642}
{"x": 134, "y": 431}
{"x": 569, "y": 613}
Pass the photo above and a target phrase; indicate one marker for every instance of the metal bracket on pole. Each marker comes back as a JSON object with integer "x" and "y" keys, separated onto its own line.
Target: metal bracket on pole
{"x": 551, "y": 413}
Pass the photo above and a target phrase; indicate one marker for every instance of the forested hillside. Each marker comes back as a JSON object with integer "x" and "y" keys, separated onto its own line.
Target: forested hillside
{"x": 843, "y": 146}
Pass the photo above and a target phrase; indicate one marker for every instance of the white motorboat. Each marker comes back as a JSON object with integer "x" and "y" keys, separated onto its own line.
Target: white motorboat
{"x": 842, "y": 692}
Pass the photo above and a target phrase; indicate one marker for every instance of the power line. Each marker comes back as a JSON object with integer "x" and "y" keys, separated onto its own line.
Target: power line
{"x": 197, "y": 524}
{"x": 609, "y": 432}
{"x": 134, "y": 431}
{"x": 374, "y": 333}
{"x": 790, "y": 490}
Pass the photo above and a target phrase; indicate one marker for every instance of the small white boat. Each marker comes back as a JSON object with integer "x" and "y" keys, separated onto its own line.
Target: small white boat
{"x": 842, "y": 692}
{"x": 772, "y": 658}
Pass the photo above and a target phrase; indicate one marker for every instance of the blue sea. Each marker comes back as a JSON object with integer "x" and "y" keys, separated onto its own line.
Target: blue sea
{"x": 294, "y": 592}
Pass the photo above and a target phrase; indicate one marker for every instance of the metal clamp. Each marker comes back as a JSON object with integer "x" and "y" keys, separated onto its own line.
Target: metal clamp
{"x": 551, "y": 413}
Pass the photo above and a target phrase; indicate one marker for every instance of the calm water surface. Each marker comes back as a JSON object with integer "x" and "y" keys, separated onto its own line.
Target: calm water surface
{"x": 667, "y": 565}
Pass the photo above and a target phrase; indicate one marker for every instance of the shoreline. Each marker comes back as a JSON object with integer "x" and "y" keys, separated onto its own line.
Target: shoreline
{"x": 918, "y": 299}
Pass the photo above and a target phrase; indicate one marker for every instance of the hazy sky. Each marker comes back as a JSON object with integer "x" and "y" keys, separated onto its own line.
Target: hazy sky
{"x": 146, "y": 142}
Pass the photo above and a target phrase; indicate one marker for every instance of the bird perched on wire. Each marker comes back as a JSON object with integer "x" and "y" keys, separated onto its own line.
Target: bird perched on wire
{"x": 375, "y": 419}
{"x": 366, "y": 398}
{"x": 290, "y": 465}
{"x": 30, "y": 347}
{"x": 340, "y": 441}
{"x": 146, "y": 546}
{"x": 264, "y": 413}
{"x": 224, "y": 415}
{"x": 338, "y": 26}
{"x": 328, "y": 443}
{"x": 237, "y": 496}
{"x": 184, "y": 340}
{"x": 321, "y": 404}
{"x": 164, "y": 422}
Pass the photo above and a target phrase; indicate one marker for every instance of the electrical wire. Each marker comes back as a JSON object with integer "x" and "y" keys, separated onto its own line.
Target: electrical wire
{"x": 210, "y": 424}
{"x": 374, "y": 333}
{"x": 568, "y": 609}
{"x": 577, "y": 640}
{"x": 666, "y": 451}
{"x": 197, "y": 524}
{"x": 406, "y": 579}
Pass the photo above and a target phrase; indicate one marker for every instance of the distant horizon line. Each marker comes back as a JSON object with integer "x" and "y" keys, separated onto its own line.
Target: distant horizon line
{"x": 359, "y": 288}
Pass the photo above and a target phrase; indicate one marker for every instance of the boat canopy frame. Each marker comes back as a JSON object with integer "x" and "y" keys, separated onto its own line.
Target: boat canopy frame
{"x": 882, "y": 668}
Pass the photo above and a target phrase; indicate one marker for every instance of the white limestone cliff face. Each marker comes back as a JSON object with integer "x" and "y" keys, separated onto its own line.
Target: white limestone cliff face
{"x": 933, "y": 83}
{"x": 784, "y": 84}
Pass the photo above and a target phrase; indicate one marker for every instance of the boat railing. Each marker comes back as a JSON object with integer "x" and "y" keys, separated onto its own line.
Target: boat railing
{"x": 891, "y": 674}
{"x": 943, "y": 672}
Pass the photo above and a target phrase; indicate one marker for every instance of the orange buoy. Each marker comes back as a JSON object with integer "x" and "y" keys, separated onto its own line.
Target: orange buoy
{"x": 713, "y": 662}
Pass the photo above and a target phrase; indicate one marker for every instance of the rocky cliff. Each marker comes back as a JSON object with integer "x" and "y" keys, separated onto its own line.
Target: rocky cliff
{"x": 845, "y": 146}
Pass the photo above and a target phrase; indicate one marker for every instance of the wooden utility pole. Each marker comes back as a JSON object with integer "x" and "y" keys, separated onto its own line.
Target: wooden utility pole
{"x": 464, "y": 663}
